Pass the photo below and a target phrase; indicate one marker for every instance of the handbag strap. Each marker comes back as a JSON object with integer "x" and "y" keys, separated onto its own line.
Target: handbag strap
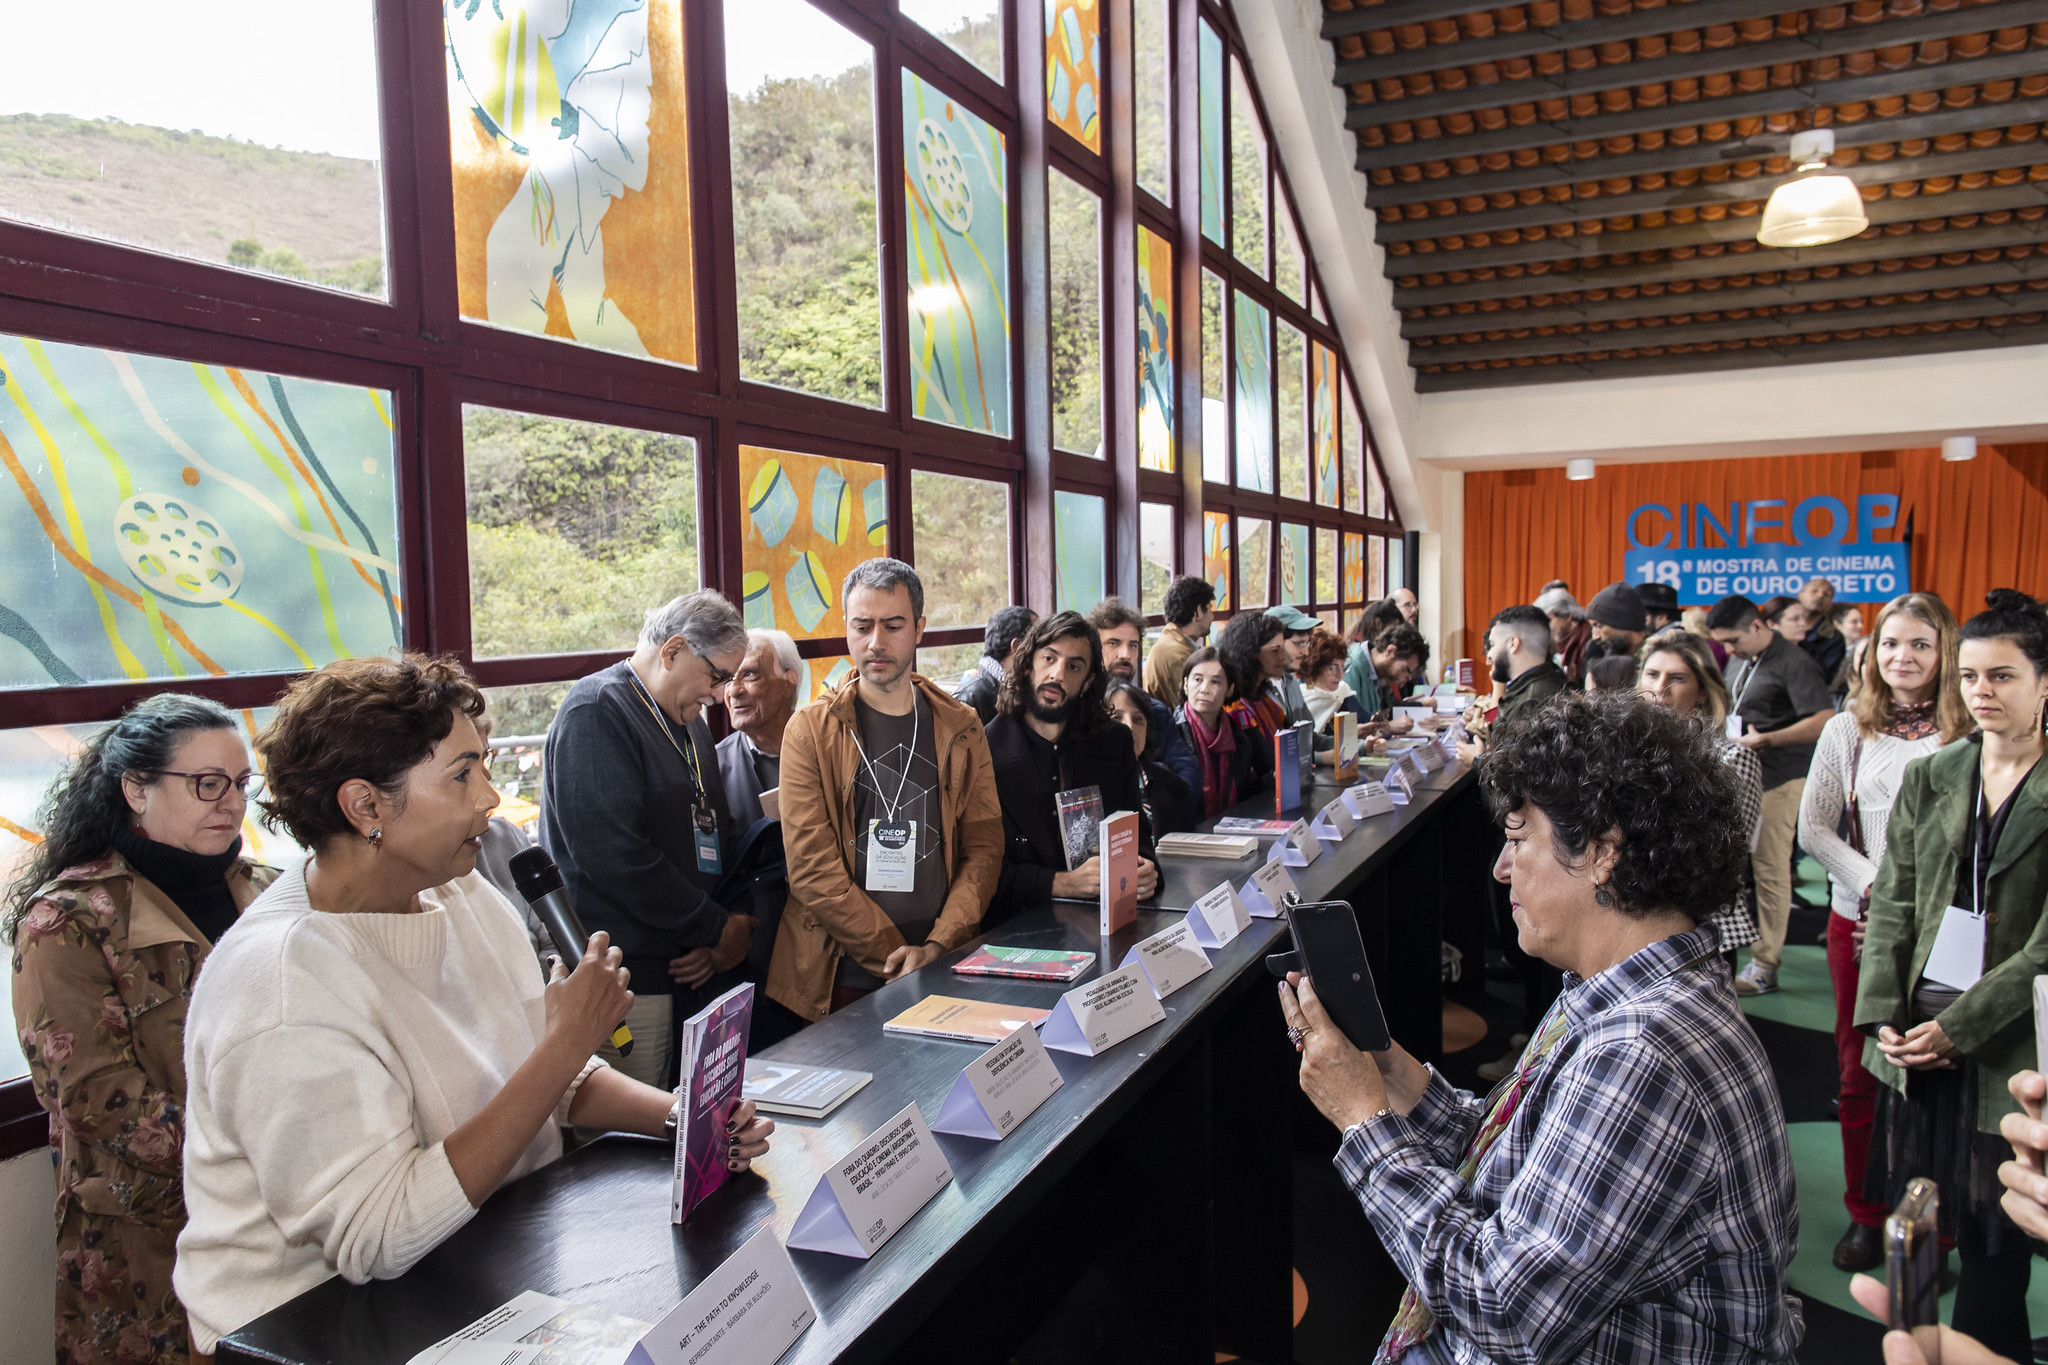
{"x": 1855, "y": 811}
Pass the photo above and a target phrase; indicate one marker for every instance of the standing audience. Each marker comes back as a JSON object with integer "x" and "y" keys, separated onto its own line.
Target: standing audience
{"x": 999, "y": 645}
{"x": 1824, "y": 639}
{"x": 139, "y": 873}
{"x": 1611, "y": 673}
{"x": 1570, "y": 632}
{"x": 1188, "y": 607}
{"x": 1909, "y": 707}
{"x": 1966, "y": 859}
{"x": 759, "y": 701}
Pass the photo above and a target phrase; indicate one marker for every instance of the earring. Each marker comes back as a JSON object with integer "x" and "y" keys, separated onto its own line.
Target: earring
{"x": 1602, "y": 896}
{"x": 376, "y": 838}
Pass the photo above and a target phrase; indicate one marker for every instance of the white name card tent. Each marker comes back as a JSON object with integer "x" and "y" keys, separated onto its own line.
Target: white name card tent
{"x": 1332, "y": 822}
{"x": 749, "y": 1311}
{"x": 1399, "y": 790}
{"x": 1297, "y": 847}
{"x": 1264, "y": 889}
{"x": 999, "y": 1089}
{"x": 1170, "y": 959}
{"x": 1219, "y": 916}
{"x": 1094, "y": 1017}
{"x": 860, "y": 1203}
{"x": 1366, "y": 800}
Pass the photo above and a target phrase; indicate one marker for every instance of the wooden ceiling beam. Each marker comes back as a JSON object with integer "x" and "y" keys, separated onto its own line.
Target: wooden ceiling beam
{"x": 1623, "y": 75}
{"x": 1743, "y": 263}
{"x": 1737, "y": 329}
{"x": 1663, "y": 304}
{"x": 1755, "y": 189}
{"x": 1863, "y": 348}
{"x": 1609, "y": 29}
{"x": 1669, "y": 158}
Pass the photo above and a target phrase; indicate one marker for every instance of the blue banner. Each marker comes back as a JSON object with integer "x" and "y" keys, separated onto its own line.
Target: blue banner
{"x": 1871, "y": 572}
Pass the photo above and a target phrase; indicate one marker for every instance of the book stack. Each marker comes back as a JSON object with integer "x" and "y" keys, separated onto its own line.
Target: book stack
{"x": 1225, "y": 846}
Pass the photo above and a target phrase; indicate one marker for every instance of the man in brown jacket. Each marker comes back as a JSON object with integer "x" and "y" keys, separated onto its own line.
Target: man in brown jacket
{"x": 891, "y": 827}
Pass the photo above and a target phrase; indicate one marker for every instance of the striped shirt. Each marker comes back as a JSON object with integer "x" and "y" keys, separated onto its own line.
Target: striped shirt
{"x": 1639, "y": 1205}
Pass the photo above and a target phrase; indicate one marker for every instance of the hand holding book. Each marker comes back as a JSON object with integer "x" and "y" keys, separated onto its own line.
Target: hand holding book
{"x": 1085, "y": 881}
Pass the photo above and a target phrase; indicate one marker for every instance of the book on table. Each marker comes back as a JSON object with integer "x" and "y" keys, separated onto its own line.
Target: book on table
{"x": 1286, "y": 771}
{"x": 713, "y": 1048}
{"x": 1229, "y": 847}
{"x": 1030, "y": 964}
{"x": 964, "y": 1021}
{"x": 1119, "y": 884}
{"x": 809, "y": 1092}
{"x": 1346, "y": 763}
{"x": 1244, "y": 824}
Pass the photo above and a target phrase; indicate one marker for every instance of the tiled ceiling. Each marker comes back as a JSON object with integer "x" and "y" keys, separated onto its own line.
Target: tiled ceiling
{"x": 1570, "y": 189}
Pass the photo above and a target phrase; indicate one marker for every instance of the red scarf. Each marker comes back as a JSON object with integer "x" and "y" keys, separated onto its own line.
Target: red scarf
{"x": 1214, "y": 750}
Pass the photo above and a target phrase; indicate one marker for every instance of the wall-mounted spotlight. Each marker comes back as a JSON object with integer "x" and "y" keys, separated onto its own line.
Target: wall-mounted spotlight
{"x": 1579, "y": 470}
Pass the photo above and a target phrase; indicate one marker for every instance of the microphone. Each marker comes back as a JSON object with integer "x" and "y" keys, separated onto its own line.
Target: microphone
{"x": 540, "y": 881}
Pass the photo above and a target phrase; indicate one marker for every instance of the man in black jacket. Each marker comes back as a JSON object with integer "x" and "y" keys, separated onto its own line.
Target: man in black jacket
{"x": 999, "y": 645}
{"x": 1052, "y": 734}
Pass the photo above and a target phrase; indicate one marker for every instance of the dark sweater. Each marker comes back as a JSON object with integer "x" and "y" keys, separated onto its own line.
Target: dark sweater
{"x": 1030, "y": 771}
{"x": 615, "y": 815}
{"x": 197, "y": 883}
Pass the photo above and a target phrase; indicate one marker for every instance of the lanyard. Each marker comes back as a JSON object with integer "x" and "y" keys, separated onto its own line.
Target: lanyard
{"x": 689, "y": 756}
{"x": 1748, "y": 677}
{"x": 889, "y": 808}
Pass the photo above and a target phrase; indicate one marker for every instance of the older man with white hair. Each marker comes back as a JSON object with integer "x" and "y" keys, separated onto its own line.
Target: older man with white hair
{"x": 759, "y": 702}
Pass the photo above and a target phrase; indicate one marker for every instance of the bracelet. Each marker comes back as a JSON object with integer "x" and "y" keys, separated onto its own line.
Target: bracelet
{"x": 673, "y": 1123}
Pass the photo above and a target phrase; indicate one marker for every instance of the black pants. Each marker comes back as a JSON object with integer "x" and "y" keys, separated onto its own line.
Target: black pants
{"x": 1991, "y": 1296}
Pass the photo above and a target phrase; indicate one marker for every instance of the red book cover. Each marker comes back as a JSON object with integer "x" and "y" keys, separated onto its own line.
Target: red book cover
{"x": 1119, "y": 871}
{"x": 1031, "y": 964}
{"x": 714, "y": 1054}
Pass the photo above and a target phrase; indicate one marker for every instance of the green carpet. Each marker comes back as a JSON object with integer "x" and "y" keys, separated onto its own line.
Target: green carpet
{"x": 1805, "y": 998}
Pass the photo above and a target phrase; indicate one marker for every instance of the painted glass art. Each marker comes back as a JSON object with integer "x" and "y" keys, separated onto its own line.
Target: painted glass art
{"x": 1155, "y": 351}
{"x": 808, "y": 521}
{"x": 1073, "y": 69}
{"x": 1253, "y": 392}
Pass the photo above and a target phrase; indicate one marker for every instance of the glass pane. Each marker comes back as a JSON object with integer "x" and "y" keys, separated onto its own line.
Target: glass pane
{"x": 1075, "y": 245}
{"x": 1077, "y": 551}
{"x": 1315, "y": 304}
{"x": 1155, "y": 351}
{"x": 1375, "y": 568}
{"x": 948, "y": 665}
{"x": 955, "y": 182}
{"x": 809, "y": 521}
{"x": 1323, "y": 410}
{"x": 1253, "y": 555}
{"x": 961, "y": 528}
{"x": 1216, "y": 556}
{"x": 1215, "y": 415}
{"x": 1209, "y": 58}
{"x": 575, "y": 530}
{"x": 1073, "y": 69}
{"x": 1287, "y": 271}
{"x": 972, "y": 28}
{"x": 1353, "y": 460}
{"x": 1247, "y": 175}
{"x": 1289, "y": 362}
{"x": 1253, "y": 382}
{"x": 1375, "y": 491}
{"x": 144, "y": 493}
{"x": 1326, "y": 564}
{"x": 1152, "y": 109}
{"x": 571, "y": 151}
{"x": 802, "y": 131}
{"x": 1354, "y": 567}
{"x": 822, "y": 675}
{"x": 225, "y": 131}
{"x": 1294, "y": 565}
{"x": 1396, "y": 572}
{"x": 519, "y": 719}
{"x": 1155, "y": 554}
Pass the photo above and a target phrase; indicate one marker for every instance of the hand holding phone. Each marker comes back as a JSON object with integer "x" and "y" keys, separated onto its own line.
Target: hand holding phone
{"x": 1912, "y": 1255}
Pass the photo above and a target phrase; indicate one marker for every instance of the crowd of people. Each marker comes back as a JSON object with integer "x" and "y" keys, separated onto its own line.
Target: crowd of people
{"x": 1625, "y": 1193}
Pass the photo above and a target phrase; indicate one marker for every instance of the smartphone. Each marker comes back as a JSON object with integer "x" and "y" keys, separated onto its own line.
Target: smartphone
{"x": 1329, "y": 952}
{"x": 1912, "y": 1255}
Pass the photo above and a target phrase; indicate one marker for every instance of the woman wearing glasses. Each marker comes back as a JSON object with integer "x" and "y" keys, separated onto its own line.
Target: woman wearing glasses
{"x": 139, "y": 873}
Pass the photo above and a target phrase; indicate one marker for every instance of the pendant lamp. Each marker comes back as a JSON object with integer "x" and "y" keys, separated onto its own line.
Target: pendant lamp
{"x": 1813, "y": 208}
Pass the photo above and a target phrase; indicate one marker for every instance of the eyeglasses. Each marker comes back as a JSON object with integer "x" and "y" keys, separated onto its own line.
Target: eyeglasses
{"x": 213, "y": 786}
{"x": 719, "y": 677}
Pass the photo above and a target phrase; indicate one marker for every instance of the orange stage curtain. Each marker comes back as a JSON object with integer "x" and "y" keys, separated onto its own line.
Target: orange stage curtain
{"x": 1975, "y": 525}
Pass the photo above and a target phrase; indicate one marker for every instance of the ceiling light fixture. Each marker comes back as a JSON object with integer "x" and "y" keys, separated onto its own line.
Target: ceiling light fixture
{"x": 1959, "y": 448}
{"x": 1813, "y": 208}
{"x": 1579, "y": 470}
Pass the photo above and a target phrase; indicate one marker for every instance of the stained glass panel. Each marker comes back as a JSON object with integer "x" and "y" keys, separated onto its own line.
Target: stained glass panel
{"x": 1209, "y": 60}
{"x": 1152, "y": 109}
{"x": 808, "y": 521}
{"x": 1294, "y": 565}
{"x": 1287, "y": 270}
{"x": 1215, "y": 413}
{"x": 1290, "y": 361}
{"x": 1253, "y": 391}
{"x": 1254, "y": 553}
{"x": 1397, "y": 572}
{"x": 1326, "y": 564}
{"x": 1078, "y": 541}
{"x": 1155, "y": 351}
{"x": 1354, "y": 454}
{"x": 172, "y": 520}
{"x": 1156, "y": 534}
{"x": 1216, "y": 556}
{"x": 1075, "y": 279}
{"x": 1247, "y": 175}
{"x": 1323, "y": 425}
{"x": 1354, "y": 567}
{"x": 1073, "y": 69}
{"x": 1375, "y": 568}
{"x": 955, "y": 185}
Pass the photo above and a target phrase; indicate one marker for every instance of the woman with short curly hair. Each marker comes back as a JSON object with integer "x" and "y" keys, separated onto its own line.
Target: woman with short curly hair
{"x": 372, "y": 1053}
{"x": 1626, "y": 1194}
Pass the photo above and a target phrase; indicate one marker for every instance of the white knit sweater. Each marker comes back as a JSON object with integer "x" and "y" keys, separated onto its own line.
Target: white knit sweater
{"x": 1878, "y": 771}
{"x": 328, "y": 1056}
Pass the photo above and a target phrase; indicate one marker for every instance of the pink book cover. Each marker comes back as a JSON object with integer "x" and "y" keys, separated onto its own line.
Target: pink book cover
{"x": 714, "y": 1051}
{"x": 1119, "y": 871}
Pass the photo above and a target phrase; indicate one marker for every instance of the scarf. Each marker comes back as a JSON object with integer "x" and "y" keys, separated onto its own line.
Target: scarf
{"x": 196, "y": 883}
{"x": 1911, "y": 722}
{"x": 1214, "y": 751}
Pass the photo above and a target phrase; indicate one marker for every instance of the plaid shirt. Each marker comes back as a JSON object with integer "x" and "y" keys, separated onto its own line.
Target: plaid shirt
{"x": 1639, "y": 1205}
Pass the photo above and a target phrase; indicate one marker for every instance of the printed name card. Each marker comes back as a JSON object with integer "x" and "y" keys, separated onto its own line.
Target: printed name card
{"x": 1428, "y": 756}
{"x": 1332, "y": 822}
{"x": 1170, "y": 959}
{"x": 1447, "y": 742}
{"x": 1264, "y": 890}
{"x": 860, "y": 1203}
{"x": 747, "y": 1312}
{"x": 1219, "y": 916}
{"x": 1095, "y": 1017}
{"x": 1399, "y": 790}
{"x": 1366, "y": 800}
{"x": 1297, "y": 847}
{"x": 999, "y": 1089}
{"x": 1408, "y": 764}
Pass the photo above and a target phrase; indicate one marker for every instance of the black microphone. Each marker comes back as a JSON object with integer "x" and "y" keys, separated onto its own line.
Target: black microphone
{"x": 540, "y": 881}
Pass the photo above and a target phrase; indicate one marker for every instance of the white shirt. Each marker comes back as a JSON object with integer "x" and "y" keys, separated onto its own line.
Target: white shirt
{"x": 1878, "y": 771}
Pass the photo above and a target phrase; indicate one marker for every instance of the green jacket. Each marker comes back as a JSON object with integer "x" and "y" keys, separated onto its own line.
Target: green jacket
{"x": 1993, "y": 1021}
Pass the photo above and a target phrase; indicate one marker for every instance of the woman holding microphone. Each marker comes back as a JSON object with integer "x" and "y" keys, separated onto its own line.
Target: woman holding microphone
{"x": 385, "y": 970}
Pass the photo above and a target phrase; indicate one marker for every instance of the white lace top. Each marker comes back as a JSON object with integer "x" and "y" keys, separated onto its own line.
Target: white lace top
{"x": 1882, "y": 764}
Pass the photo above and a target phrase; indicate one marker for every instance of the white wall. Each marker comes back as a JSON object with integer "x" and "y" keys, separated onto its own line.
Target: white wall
{"x": 28, "y": 1260}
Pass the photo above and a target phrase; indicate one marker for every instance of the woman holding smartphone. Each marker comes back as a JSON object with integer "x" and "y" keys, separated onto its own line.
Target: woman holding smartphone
{"x": 1965, "y": 871}
{"x": 1907, "y": 707}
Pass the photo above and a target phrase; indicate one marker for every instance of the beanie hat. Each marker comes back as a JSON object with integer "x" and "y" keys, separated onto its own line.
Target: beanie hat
{"x": 1618, "y": 606}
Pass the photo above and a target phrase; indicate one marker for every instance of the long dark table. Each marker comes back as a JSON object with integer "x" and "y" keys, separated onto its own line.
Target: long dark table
{"x": 1111, "y": 1217}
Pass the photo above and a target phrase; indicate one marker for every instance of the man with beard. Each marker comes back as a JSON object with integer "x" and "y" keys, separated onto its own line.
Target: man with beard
{"x": 1122, "y": 632}
{"x": 1518, "y": 653}
{"x": 889, "y": 816}
{"x": 1052, "y": 734}
{"x": 1404, "y": 600}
